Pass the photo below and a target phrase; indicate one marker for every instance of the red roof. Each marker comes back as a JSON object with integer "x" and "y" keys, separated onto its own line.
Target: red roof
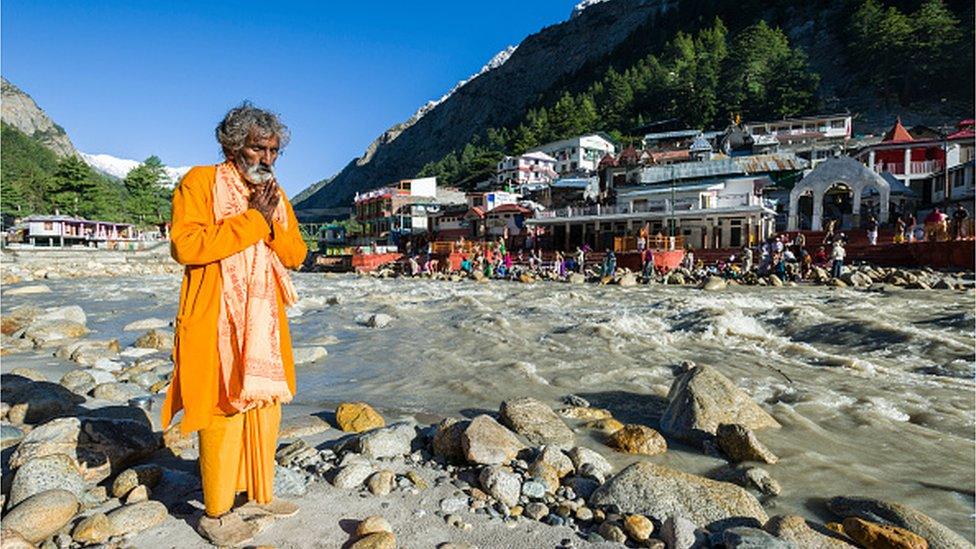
{"x": 629, "y": 156}
{"x": 897, "y": 133}
{"x": 476, "y": 211}
{"x": 607, "y": 160}
{"x": 510, "y": 208}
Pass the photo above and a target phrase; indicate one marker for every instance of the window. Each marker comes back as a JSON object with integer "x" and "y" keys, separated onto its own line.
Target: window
{"x": 48, "y": 226}
{"x": 838, "y": 124}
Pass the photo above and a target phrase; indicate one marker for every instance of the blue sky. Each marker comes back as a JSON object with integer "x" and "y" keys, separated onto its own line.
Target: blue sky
{"x": 131, "y": 78}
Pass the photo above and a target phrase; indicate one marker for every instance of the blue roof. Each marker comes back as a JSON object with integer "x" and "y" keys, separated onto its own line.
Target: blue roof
{"x": 897, "y": 186}
{"x": 573, "y": 183}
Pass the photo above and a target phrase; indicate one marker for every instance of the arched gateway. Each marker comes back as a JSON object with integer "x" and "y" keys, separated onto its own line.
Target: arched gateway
{"x": 833, "y": 174}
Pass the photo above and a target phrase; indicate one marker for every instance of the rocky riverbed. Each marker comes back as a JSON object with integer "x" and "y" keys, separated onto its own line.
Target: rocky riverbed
{"x": 516, "y": 415}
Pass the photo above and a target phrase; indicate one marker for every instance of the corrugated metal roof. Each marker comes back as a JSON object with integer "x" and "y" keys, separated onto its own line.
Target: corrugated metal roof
{"x": 759, "y": 163}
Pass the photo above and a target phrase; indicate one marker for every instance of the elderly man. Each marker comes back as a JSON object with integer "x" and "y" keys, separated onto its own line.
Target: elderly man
{"x": 237, "y": 235}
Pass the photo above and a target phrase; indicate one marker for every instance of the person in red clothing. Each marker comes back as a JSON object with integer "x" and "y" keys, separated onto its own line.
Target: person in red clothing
{"x": 820, "y": 258}
{"x": 935, "y": 225}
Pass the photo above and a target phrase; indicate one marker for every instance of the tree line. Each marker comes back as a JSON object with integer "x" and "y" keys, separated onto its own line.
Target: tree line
{"x": 35, "y": 181}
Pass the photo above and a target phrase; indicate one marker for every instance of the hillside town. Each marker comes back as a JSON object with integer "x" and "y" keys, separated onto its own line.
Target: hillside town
{"x": 706, "y": 194}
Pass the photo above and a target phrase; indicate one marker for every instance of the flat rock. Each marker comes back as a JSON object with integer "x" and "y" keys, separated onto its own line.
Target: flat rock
{"x": 701, "y": 399}
{"x": 78, "y": 381}
{"x": 146, "y": 324}
{"x": 740, "y": 444}
{"x": 43, "y": 474}
{"x": 536, "y": 422}
{"x": 352, "y": 475}
{"x": 130, "y": 519}
{"x": 660, "y": 492}
{"x": 638, "y": 439}
{"x": 937, "y": 534}
{"x": 796, "y": 530}
{"x": 42, "y": 515}
{"x": 356, "y": 417}
{"x": 302, "y": 426}
{"x": 871, "y": 534}
{"x": 118, "y": 391}
{"x": 30, "y": 289}
{"x": 487, "y": 442}
{"x": 49, "y": 333}
{"x": 309, "y": 355}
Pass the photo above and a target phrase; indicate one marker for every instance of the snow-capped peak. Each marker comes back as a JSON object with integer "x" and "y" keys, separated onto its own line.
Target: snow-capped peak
{"x": 496, "y": 61}
{"x": 120, "y": 167}
{"x": 582, "y": 5}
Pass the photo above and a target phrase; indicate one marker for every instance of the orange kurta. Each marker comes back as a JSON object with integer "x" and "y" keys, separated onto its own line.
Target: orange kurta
{"x": 199, "y": 243}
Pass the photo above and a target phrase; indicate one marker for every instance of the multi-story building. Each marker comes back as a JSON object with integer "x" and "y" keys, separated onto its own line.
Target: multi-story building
{"x": 65, "y": 231}
{"x": 926, "y": 165}
{"x": 529, "y": 169}
{"x": 389, "y": 213}
{"x": 580, "y": 154}
{"x": 812, "y": 138}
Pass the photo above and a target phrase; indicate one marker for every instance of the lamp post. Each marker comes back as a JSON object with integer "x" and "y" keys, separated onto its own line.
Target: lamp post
{"x": 673, "y": 222}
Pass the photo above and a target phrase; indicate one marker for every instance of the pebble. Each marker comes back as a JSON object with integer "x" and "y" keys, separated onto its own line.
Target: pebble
{"x": 453, "y": 505}
{"x": 534, "y": 489}
{"x": 638, "y": 527}
{"x": 536, "y": 510}
{"x": 611, "y": 532}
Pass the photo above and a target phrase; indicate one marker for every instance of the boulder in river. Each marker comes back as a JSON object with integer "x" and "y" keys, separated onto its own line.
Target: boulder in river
{"x": 146, "y": 324}
{"x": 870, "y": 534}
{"x": 937, "y": 534}
{"x": 638, "y": 439}
{"x": 797, "y": 531}
{"x": 486, "y": 442}
{"x": 741, "y": 444}
{"x": 356, "y": 417}
{"x": 309, "y": 355}
{"x": 701, "y": 399}
{"x": 386, "y": 442}
{"x": 536, "y": 422}
{"x": 661, "y": 492}
{"x": 41, "y": 515}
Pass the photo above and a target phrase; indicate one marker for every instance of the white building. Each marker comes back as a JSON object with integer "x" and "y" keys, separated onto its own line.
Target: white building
{"x": 534, "y": 168}
{"x": 490, "y": 200}
{"x": 579, "y": 154}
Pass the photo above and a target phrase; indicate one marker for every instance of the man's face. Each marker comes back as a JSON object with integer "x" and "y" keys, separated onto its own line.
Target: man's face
{"x": 256, "y": 159}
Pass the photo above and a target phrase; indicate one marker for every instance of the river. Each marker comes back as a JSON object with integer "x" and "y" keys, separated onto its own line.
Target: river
{"x": 875, "y": 391}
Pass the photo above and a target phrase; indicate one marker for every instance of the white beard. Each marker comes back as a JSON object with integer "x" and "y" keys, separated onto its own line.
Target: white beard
{"x": 256, "y": 174}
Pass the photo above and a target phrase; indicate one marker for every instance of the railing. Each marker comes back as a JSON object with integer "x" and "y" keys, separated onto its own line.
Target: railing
{"x": 658, "y": 206}
{"x": 629, "y": 243}
{"x": 915, "y": 167}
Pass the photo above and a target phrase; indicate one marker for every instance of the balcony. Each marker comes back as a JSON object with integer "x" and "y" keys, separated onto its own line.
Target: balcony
{"x": 915, "y": 167}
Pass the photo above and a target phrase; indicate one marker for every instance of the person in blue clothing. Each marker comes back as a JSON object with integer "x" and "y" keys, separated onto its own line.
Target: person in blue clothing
{"x": 609, "y": 264}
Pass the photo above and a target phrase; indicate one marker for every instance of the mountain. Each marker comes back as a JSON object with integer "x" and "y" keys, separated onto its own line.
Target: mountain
{"x": 120, "y": 167}
{"x": 864, "y": 72}
{"x": 20, "y": 111}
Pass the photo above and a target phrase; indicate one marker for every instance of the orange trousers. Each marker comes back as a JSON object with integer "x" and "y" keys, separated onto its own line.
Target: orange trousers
{"x": 237, "y": 455}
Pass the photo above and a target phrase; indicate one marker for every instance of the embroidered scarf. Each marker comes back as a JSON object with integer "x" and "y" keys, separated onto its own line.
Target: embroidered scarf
{"x": 248, "y": 335}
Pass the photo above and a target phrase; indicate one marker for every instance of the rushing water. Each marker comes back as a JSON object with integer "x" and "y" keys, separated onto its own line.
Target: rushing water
{"x": 875, "y": 391}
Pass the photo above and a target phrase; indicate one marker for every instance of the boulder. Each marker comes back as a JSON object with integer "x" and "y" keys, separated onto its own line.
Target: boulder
{"x": 628, "y": 280}
{"x": 870, "y": 534}
{"x": 546, "y": 474}
{"x": 146, "y": 324}
{"x": 147, "y": 475}
{"x": 50, "y": 333}
{"x": 18, "y": 318}
{"x": 155, "y": 339}
{"x": 93, "y": 529}
{"x": 78, "y": 381}
{"x": 536, "y": 422}
{"x": 356, "y": 417}
{"x": 794, "y": 529}
{"x": 638, "y": 439}
{"x": 486, "y": 442}
{"x": 289, "y": 483}
{"x": 352, "y": 475}
{"x": 555, "y": 458}
{"x": 713, "y": 283}
{"x": 46, "y": 473}
{"x": 30, "y": 289}
{"x": 387, "y": 442}
{"x": 501, "y": 485}
{"x": 701, "y": 399}
{"x": 118, "y": 391}
{"x": 607, "y": 426}
{"x": 42, "y": 515}
{"x": 937, "y": 534}
{"x": 381, "y": 483}
{"x": 661, "y": 492}
{"x": 753, "y": 478}
{"x": 447, "y": 440}
{"x": 681, "y": 533}
{"x": 379, "y": 540}
{"x": 308, "y": 355}
{"x": 741, "y": 444}
{"x": 596, "y": 465}
{"x": 375, "y": 320}
{"x": 39, "y": 402}
{"x": 372, "y": 525}
{"x": 131, "y": 519}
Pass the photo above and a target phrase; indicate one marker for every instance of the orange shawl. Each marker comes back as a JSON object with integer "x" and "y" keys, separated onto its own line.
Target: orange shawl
{"x": 252, "y": 370}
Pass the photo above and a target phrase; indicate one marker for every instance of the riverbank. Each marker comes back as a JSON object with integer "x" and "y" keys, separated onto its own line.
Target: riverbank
{"x": 840, "y": 385}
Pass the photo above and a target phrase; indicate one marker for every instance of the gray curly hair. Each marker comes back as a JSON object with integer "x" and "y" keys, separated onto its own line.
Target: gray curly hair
{"x": 240, "y": 121}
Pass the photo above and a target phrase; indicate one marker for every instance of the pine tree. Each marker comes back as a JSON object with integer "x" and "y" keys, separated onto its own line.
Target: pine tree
{"x": 879, "y": 46}
{"x": 935, "y": 32}
{"x": 147, "y": 203}
{"x": 73, "y": 185}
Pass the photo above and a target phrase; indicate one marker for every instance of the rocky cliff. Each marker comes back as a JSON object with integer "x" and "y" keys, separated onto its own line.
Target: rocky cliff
{"x": 20, "y": 111}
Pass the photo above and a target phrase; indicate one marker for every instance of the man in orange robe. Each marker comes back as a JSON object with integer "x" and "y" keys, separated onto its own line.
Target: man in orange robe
{"x": 236, "y": 233}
